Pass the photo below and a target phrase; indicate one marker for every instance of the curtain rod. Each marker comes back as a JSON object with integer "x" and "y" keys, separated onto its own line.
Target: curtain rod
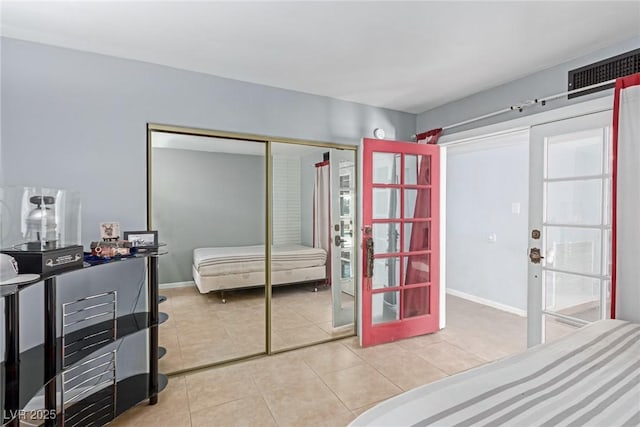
{"x": 521, "y": 107}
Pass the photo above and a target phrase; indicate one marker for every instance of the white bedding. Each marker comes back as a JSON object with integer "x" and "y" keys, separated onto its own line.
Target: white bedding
{"x": 589, "y": 378}
{"x": 218, "y": 269}
{"x": 250, "y": 259}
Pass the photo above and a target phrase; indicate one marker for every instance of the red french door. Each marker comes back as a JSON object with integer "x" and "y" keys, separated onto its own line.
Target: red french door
{"x": 400, "y": 287}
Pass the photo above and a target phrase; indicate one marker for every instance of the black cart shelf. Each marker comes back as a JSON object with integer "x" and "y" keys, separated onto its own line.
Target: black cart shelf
{"x": 27, "y": 373}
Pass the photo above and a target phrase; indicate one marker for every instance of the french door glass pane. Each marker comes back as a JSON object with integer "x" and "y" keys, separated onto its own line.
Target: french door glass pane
{"x": 416, "y": 302}
{"x": 416, "y": 269}
{"x": 410, "y": 196}
{"x": 607, "y": 202}
{"x": 422, "y": 239}
{"x": 386, "y": 203}
{"x": 412, "y": 166}
{"x": 384, "y": 307}
{"x": 386, "y": 237}
{"x": 386, "y": 272}
{"x": 574, "y": 202}
{"x": 574, "y": 249}
{"x": 572, "y": 295}
{"x": 410, "y": 169}
{"x": 386, "y": 168}
{"x": 575, "y": 154}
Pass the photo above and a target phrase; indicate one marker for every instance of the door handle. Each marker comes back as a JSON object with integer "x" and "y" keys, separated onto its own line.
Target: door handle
{"x": 338, "y": 241}
{"x": 369, "y": 257}
{"x": 535, "y": 256}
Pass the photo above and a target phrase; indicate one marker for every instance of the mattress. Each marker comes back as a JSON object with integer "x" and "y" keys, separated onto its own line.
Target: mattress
{"x": 244, "y": 280}
{"x": 250, "y": 259}
{"x": 591, "y": 377}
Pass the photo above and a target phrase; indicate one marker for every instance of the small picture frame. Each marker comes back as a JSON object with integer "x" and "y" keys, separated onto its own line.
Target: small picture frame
{"x": 110, "y": 231}
{"x": 146, "y": 239}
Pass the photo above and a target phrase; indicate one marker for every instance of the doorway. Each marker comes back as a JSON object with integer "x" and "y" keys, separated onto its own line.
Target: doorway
{"x": 569, "y": 223}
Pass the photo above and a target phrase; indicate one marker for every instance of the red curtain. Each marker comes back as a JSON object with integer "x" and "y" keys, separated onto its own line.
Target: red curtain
{"x": 416, "y": 301}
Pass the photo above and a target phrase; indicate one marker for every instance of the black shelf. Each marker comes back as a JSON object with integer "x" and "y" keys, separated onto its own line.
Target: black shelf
{"x": 161, "y": 352}
{"x": 161, "y": 299}
{"x": 162, "y": 317}
{"x": 32, "y": 361}
{"x": 97, "y": 407}
{"x": 26, "y": 373}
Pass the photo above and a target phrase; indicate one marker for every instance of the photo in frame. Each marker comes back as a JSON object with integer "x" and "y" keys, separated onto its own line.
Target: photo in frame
{"x": 146, "y": 239}
{"x": 110, "y": 231}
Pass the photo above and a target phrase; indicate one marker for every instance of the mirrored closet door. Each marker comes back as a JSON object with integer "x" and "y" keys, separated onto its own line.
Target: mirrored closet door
{"x": 208, "y": 203}
{"x": 312, "y": 252}
{"x": 216, "y": 199}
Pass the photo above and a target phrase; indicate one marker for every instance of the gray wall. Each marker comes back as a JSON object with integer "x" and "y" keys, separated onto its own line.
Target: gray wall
{"x": 482, "y": 185}
{"x": 544, "y": 83}
{"x": 205, "y": 199}
{"x": 77, "y": 120}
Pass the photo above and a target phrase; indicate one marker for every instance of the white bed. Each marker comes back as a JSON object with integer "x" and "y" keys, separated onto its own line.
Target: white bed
{"x": 224, "y": 268}
{"x": 589, "y": 378}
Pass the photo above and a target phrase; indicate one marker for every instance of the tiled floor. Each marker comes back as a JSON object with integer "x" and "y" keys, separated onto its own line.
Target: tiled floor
{"x": 202, "y": 330}
{"x": 330, "y": 384}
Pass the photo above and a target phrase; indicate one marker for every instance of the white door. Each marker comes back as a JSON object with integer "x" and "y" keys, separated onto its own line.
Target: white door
{"x": 569, "y": 223}
{"x": 343, "y": 210}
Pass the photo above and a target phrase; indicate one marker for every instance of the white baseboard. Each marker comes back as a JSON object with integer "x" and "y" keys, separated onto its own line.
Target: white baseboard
{"x": 487, "y": 302}
{"x": 176, "y": 285}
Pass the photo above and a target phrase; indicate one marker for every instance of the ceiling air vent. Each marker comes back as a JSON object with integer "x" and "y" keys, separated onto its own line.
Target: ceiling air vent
{"x": 602, "y": 71}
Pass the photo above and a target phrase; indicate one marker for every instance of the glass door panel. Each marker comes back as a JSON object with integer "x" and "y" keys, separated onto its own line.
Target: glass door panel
{"x": 570, "y": 205}
{"x": 208, "y": 198}
{"x": 312, "y": 259}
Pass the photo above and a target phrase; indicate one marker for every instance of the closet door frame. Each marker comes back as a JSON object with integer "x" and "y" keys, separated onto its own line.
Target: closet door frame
{"x": 268, "y": 140}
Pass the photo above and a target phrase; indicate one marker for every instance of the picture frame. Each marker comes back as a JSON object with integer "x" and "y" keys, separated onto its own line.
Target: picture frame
{"x": 145, "y": 239}
{"x": 110, "y": 231}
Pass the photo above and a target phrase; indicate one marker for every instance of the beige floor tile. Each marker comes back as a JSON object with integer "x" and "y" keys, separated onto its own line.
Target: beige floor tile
{"x": 308, "y": 403}
{"x": 342, "y": 331}
{"x": 409, "y": 372}
{"x": 419, "y": 343}
{"x": 283, "y": 319}
{"x": 234, "y": 312}
{"x": 302, "y": 336}
{"x": 245, "y": 412}
{"x": 172, "y": 360}
{"x": 188, "y": 338}
{"x": 218, "y": 386}
{"x": 237, "y": 328}
{"x": 207, "y": 352}
{"x": 378, "y": 353}
{"x": 487, "y": 347}
{"x": 172, "y": 409}
{"x": 329, "y": 357}
{"x": 317, "y": 314}
{"x": 359, "y": 385}
{"x": 279, "y": 371}
{"x": 450, "y": 358}
{"x": 358, "y": 411}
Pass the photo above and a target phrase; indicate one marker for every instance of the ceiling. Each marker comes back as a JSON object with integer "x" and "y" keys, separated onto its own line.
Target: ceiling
{"x": 407, "y": 56}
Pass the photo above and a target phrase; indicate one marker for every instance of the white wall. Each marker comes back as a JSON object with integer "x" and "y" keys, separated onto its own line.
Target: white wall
{"x": 484, "y": 181}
